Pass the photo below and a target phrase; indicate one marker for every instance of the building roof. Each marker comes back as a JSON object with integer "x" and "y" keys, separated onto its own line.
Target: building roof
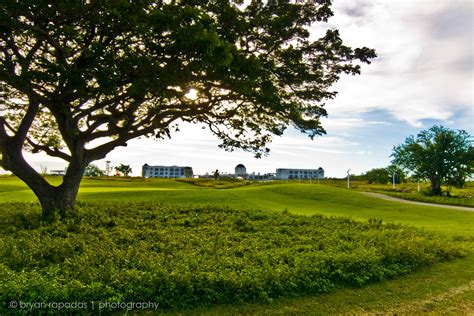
{"x": 240, "y": 166}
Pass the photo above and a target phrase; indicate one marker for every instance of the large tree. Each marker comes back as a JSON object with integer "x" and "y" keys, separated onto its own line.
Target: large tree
{"x": 439, "y": 154}
{"x": 79, "y": 78}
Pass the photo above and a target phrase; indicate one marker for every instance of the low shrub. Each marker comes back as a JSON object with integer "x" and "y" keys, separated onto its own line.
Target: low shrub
{"x": 190, "y": 256}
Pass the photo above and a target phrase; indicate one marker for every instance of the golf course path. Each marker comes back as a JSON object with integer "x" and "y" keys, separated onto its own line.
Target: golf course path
{"x": 391, "y": 198}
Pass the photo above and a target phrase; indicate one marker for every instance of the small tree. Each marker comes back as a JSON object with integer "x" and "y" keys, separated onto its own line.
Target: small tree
{"x": 188, "y": 172}
{"x": 93, "y": 171}
{"x": 124, "y": 169}
{"x": 377, "y": 175}
{"x": 80, "y": 78}
{"x": 216, "y": 174}
{"x": 441, "y": 155}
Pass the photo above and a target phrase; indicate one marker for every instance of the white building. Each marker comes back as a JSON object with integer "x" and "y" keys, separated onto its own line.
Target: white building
{"x": 166, "y": 172}
{"x": 285, "y": 174}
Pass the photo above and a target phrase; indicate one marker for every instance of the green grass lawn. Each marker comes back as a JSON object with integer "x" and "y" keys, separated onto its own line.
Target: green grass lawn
{"x": 308, "y": 199}
{"x": 300, "y": 198}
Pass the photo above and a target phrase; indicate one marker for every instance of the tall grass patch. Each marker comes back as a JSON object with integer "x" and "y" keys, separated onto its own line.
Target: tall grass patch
{"x": 187, "y": 256}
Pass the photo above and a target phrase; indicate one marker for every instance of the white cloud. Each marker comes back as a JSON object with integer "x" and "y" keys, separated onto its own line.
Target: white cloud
{"x": 424, "y": 68}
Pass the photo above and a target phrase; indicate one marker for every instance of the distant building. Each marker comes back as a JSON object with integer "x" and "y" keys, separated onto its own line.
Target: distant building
{"x": 166, "y": 172}
{"x": 288, "y": 174}
{"x": 57, "y": 172}
{"x": 261, "y": 177}
{"x": 240, "y": 171}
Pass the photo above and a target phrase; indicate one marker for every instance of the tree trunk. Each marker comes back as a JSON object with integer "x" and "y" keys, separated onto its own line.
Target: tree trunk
{"x": 59, "y": 201}
{"x": 54, "y": 200}
{"x": 435, "y": 186}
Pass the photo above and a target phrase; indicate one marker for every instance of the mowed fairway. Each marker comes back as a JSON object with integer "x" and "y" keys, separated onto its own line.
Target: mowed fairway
{"x": 305, "y": 199}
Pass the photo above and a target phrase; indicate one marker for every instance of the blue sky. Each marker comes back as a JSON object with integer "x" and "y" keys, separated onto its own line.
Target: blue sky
{"x": 423, "y": 76}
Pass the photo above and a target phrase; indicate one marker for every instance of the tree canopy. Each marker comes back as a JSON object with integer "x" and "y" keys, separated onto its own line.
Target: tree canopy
{"x": 79, "y": 78}
{"x": 439, "y": 154}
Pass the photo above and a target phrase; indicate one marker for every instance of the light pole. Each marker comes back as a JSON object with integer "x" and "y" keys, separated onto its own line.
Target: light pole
{"x": 348, "y": 179}
{"x": 107, "y": 167}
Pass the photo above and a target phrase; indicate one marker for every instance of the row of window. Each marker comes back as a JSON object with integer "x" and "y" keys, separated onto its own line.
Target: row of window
{"x": 295, "y": 172}
{"x": 168, "y": 173}
{"x": 301, "y": 177}
{"x": 165, "y": 170}
{"x": 164, "y": 176}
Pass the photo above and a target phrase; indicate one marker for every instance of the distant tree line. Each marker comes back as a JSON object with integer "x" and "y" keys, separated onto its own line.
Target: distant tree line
{"x": 93, "y": 170}
{"x": 385, "y": 175}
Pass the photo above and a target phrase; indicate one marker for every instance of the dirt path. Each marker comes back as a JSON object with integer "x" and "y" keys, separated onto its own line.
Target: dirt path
{"x": 391, "y": 198}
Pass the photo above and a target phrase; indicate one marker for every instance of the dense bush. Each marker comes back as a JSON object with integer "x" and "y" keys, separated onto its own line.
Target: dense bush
{"x": 191, "y": 256}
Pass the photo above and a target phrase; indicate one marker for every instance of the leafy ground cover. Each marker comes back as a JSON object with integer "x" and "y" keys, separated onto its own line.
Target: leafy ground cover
{"x": 443, "y": 289}
{"x": 188, "y": 256}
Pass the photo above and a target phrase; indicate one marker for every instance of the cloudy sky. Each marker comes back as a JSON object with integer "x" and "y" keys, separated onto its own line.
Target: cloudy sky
{"x": 423, "y": 76}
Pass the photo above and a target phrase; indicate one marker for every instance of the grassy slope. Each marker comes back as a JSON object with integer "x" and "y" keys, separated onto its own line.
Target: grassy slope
{"x": 445, "y": 287}
{"x": 298, "y": 198}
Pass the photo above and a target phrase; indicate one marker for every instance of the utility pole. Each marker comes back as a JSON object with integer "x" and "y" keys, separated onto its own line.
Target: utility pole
{"x": 107, "y": 167}
{"x": 348, "y": 179}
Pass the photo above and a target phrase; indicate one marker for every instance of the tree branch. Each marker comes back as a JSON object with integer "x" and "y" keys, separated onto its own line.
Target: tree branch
{"x": 27, "y": 121}
{"x": 51, "y": 152}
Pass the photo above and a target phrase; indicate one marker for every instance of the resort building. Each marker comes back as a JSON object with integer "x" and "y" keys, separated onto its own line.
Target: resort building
{"x": 166, "y": 172}
{"x": 288, "y": 174}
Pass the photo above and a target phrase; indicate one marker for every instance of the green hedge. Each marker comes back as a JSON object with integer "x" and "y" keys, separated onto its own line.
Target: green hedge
{"x": 192, "y": 256}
